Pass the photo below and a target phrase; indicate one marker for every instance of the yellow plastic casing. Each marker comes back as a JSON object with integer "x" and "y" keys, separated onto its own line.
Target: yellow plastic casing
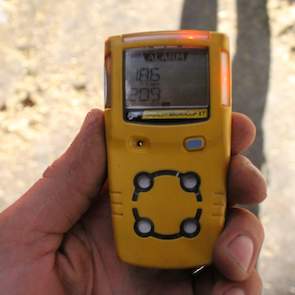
{"x": 162, "y": 148}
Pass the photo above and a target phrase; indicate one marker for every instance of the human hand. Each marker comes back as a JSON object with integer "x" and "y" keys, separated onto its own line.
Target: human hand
{"x": 57, "y": 238}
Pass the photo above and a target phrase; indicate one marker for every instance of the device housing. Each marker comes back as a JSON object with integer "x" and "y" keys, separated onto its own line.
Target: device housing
{"x": 167, "y": 173}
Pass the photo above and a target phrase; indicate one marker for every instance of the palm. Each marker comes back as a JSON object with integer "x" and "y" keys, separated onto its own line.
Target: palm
{"x": 88, "y": 258}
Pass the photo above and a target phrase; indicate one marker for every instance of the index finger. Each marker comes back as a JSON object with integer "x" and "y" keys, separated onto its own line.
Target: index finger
{"x": 246, "y": 184}
{"x": 243, "y": 133}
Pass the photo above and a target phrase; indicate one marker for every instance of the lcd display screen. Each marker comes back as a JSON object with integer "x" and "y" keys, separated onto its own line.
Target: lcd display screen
{"x": 166, "y": 78}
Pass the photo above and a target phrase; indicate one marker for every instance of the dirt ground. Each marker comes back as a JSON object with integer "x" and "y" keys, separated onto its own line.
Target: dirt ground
{"x": 51, "y": 74}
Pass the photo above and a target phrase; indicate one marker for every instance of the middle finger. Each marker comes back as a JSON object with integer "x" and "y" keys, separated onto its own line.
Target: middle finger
{"x": 246, "y": 184}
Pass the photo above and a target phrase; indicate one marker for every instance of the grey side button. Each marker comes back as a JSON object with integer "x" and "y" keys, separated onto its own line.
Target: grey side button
{"x": 194, "y": 143}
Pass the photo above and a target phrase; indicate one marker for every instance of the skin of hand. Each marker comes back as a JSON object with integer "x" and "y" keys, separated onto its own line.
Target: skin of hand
{"x": 57, "y": 238}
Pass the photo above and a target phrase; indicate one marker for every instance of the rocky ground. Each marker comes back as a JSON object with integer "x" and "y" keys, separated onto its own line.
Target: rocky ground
{"x": 51, "y": 58}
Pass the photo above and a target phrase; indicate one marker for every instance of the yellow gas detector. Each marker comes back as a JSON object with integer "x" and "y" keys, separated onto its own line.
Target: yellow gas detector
{"x": 168, "y": 122}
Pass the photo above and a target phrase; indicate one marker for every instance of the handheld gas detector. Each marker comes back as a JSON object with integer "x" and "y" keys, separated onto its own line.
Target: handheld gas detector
{"x": 168, "y": 122}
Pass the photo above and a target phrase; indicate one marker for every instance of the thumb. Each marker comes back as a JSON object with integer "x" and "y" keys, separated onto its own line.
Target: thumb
{"x": 57, "y": 200}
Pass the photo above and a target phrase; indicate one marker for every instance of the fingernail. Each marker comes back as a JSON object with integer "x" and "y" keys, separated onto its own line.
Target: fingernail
{"x": 234, "y": 291}
{"x": 241, "y": 250}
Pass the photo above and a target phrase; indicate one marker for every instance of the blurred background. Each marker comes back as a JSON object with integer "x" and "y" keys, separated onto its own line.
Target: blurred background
{"x": 51, "y": 74}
